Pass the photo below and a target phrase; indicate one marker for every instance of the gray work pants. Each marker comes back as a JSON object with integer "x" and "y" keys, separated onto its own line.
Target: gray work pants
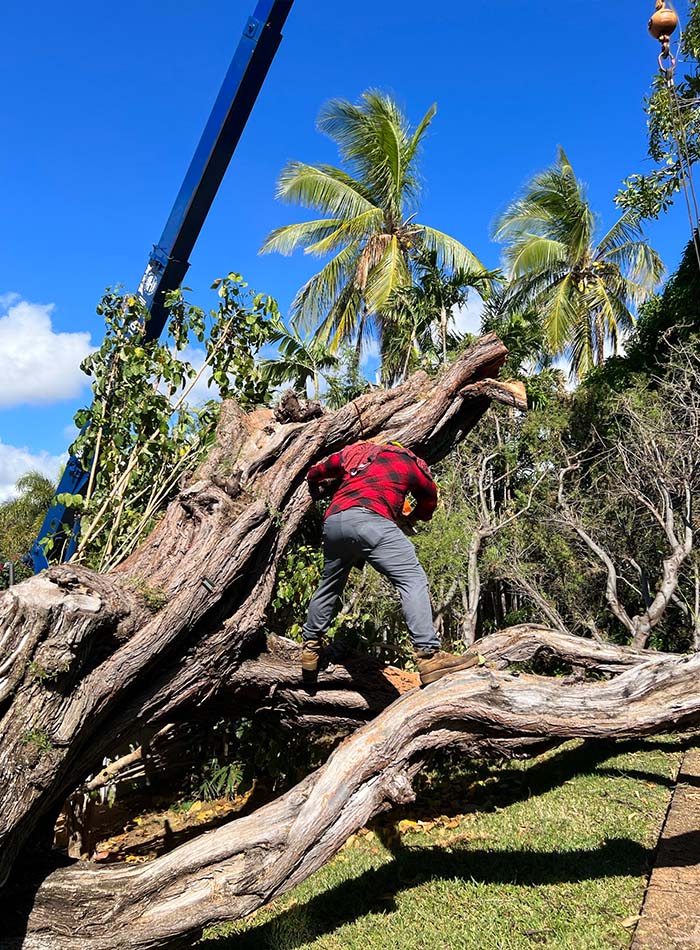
{"x": 359, "y": 534}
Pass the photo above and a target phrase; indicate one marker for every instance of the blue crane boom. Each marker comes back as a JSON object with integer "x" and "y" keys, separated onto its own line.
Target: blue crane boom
{"x": 169, "y": 258}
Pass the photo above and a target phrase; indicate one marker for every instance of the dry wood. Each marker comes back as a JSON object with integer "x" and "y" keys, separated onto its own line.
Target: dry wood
{"x": 227, "y": 873}
{"x": 351, "y": 689}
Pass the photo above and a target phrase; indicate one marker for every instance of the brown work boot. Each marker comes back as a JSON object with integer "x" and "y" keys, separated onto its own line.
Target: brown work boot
{"x": 432, "y": 666}
{"x": 310, "y": 654}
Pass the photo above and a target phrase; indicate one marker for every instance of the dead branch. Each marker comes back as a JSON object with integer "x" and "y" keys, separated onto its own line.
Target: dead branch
{"x": 229, "y": 872}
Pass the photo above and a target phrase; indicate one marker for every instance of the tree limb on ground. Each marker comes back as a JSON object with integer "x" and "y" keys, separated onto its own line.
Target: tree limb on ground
{"x": 227, "y": 873}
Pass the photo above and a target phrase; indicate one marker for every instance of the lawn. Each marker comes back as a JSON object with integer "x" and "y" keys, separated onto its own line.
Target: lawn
{"x": 549, "y": 853}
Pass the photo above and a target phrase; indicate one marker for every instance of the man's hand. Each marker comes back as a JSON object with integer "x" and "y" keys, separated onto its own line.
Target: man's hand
{"x": 323, "y": 489}
{"x": 315, "y": 490}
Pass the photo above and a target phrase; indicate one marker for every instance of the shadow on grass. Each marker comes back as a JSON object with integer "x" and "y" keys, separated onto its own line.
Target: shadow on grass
{"x": 513, "y": 784}
{"x": 375, "y": 891}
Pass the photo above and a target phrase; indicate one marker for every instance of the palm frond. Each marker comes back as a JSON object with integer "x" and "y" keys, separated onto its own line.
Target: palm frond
{"x": 534, "y": 254}
{"x": 625, "y": 230}
{"x": 580, "y": 350}
{"x": 390, "y": 149}
{"x": 313, "y": 187}
{"x": 522, "y": 216}
{"x": 354, "y": 229}
{"x": 317, "y": 296}
{"x": 389, "y": 273}
{"x": 375, "y": 139}
{"x": 641, "y": 264}
{"x": 342, "y": 121}
{"x": 628, "y": 290}
{"x": 607, "y": 301}
{"x": 421, "y": 129}
{"x": 561, "y": 315}
{"x": 289, "y": 237}
{"x": 341, "y": 176}
{"x": 340, "y": 322}
{"x": 553, "y": 206}
{"x": 451, "y": 254}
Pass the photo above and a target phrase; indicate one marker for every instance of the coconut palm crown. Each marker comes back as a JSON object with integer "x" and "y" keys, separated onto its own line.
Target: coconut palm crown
{"x": 584, "y": 290}
{"x": 369, "y": 227}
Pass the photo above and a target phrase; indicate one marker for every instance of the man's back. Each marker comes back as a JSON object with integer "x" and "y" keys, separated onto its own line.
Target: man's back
{"x": 377, "y": 477}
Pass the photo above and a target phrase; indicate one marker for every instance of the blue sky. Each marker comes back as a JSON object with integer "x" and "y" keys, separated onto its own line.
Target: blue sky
{"x": 104, "y": 105}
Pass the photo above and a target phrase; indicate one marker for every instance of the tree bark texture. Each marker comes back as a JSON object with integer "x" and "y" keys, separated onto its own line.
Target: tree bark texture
{"x": 87, "y": 663}
{"x": 229, "y": 872}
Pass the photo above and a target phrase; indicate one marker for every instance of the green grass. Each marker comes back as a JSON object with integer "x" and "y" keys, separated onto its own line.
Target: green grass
{"x": 549, "y": 853}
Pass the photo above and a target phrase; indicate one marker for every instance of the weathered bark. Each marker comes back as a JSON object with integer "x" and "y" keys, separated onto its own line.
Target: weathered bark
{"x": 227, "y": 873}
{"x": 351, "y": 689}
{"x": 87, "y": 664}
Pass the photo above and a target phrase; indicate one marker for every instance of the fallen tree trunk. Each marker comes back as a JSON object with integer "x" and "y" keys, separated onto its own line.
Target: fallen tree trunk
{"x": 88, "y": 662}
{"x": 227, "y": 873}
{"x": 350, "y": 690}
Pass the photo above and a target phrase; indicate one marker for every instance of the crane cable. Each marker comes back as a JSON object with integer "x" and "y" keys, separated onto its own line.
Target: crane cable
{"x": 684, "y": 161}
{"x": 678, "y": 129}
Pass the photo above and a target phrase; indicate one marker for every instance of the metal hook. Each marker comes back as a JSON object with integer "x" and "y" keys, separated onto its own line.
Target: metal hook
{"x": 668, "y": 70}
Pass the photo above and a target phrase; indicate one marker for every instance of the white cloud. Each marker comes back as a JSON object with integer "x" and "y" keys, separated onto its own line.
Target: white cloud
{"x": 15, "y": 462}
{"x": 370, "y": 353}
{"x": 467, "y": 319}
{"x": 37, "y": 365}
{"x": 200, "y": 392}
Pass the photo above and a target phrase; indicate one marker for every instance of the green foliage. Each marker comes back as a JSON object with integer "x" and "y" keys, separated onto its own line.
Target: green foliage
{"x": 583, "y": 288}
{"x": 154, "y": 597}
{"x": 528, "y": 358}
{"x": 673, "y": 121}
{"x": 219, "y": 780}
{"x": 140, "y": 438}
{"x": 278, "y": 758}
{"x": 297, "y": 579}
{"x": 38, "y": 738}
{"x": 43, "y": 676}
{"x": 417, "y": 328}
{"x": 665, "y": 321}
{"x": 20, "y": 520}
{"x": 300, "y": 360}
{"x": 346, "y": 382}
{"x": 232, "y": 756}
{"x": 243, "y": 323}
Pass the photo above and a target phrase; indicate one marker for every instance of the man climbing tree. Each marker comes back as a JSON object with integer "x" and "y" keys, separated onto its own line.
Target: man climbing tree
{"x": 370, "y": 483}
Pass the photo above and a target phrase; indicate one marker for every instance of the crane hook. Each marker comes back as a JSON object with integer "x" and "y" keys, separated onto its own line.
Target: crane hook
{"x": 661, "y": 25}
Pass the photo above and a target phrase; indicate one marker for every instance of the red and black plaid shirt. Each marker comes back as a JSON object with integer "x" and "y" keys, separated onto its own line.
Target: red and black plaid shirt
{"x": 377, "y": 477}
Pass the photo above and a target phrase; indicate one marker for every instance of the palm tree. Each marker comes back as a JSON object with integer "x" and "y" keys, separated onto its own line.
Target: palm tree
{"x": 300, "y": 360}
{"x": 21, "y": 517}
{"x": 419, "y": 315}
{"x": 583, "y": 290}
{"x": 368, "y": 223}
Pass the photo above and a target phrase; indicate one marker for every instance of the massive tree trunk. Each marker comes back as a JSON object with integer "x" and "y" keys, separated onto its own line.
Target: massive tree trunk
{"x": 90, "y": 661}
